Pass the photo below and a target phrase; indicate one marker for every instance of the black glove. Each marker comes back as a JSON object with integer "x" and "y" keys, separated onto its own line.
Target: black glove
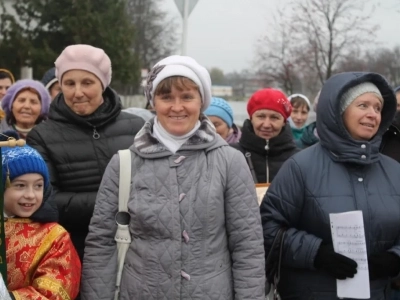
{"x": 335, "y": 264}
{"x": 383, "y": 265}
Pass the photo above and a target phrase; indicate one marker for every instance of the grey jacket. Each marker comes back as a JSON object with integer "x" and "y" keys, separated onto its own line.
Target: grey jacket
{"x": 337, "y": 175}
{"x": 195, "y": 225}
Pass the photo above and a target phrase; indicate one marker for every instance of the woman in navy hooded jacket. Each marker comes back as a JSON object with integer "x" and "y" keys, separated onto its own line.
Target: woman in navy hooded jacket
{"x": 344, "y": 172}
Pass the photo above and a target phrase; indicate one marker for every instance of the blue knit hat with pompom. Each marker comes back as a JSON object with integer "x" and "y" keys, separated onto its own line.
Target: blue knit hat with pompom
{"x": 18, "y": 161}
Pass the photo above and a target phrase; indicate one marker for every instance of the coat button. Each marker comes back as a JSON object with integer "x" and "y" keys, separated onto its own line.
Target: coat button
{"x": 363, "y": 146}
{"x": 185, "y": 235}
{"x": 181, "y": 196}
{"x": 363, "y": 157}
{"x": 360, "y": 179}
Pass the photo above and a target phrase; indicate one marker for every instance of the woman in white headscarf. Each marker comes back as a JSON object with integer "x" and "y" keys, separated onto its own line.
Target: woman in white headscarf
{"x": 299, "y": 115}
{"x": 310, "y": 134}
{"x": 194, "y": 217}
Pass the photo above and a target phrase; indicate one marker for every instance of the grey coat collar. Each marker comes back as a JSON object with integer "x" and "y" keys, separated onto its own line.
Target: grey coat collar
{"x": 205, "y": 138}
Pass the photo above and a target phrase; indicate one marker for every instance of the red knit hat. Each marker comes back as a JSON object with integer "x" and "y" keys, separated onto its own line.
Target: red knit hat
{"x": 270, "y": 99}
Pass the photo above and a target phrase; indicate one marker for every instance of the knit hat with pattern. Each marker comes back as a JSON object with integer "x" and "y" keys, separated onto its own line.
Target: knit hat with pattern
{"x": 18, "y": 161}
{"x": 221, "y": 109}
{"x": 356, "y": 91}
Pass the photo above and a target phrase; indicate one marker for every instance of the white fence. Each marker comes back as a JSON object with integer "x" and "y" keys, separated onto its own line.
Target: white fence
{"x": 133, "y": 101}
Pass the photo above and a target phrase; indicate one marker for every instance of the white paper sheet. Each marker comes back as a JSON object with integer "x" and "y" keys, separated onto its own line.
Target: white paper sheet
{"x": 348, "y": 237}
{"x": 261, "y": 191}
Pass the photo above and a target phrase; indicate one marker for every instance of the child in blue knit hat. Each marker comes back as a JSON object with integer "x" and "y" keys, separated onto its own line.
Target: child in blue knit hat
{"x": 42, "y": 262}
{"x": 221, "y": 115}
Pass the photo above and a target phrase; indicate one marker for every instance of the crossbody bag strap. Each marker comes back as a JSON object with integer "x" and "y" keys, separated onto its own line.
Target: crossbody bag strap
{"x": 123, "y": 236}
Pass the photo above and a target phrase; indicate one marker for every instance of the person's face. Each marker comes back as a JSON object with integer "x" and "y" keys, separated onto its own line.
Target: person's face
{"x": 5, "y": 83}
{"x": 55, "y": 89}
{"x": 82, "y": 91}
{"x": 24, "y": 196}
{"x": 221, "y": 127}
{"x": 363, "y": 117}
{"x": 398, "y": 100}
{"x": 178, "y": 111}
{"x": 299, "y": 116}
{"x": 26, "y": 109}
{"x": 267, "y": 123}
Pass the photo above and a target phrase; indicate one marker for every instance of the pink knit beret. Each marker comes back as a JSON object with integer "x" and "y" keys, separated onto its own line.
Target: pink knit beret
{"x": 87, "y": 58}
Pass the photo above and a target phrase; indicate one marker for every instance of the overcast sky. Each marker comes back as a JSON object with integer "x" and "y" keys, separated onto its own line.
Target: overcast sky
{"x": 223, "y": 33}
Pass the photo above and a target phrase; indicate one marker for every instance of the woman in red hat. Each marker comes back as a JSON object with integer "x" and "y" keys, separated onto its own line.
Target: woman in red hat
{"x": 267, "y": 141}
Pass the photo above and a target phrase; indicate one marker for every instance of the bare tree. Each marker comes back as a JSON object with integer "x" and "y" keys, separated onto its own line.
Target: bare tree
{"x": 217, "y": 76}
{"x": 354, "y": 62}
{"x": 384, "y": 61}
{"x": 276, "y": 58}
{"x": 155, "y": 35}
{"x": 328, "y": 31}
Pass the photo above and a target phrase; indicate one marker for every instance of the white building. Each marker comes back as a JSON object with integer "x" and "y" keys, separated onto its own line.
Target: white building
{"x": 222, "y": 91}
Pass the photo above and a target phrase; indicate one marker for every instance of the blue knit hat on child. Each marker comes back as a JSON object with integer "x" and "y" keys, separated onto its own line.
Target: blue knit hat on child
{"x": 221, "y": 109}
{"x": 18, "y": 161}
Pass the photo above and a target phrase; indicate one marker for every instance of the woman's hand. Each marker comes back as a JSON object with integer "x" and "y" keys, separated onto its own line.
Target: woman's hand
{"x": 383, "y": 265}
{"x": 335, "y": 264}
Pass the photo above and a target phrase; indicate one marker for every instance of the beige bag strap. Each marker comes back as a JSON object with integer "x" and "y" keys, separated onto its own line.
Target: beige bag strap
{"x": 123, "y": 236}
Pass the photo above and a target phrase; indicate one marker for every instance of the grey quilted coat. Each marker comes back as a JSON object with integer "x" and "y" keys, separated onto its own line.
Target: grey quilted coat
{"x": 195, "y": 225}
{"x": 339, "y": 174}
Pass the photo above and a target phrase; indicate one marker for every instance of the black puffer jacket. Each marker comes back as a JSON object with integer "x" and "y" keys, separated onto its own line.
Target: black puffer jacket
{"x": 390, "y": 145}
{"x": 77, "y": 150}
{"x": 258, "y": 158}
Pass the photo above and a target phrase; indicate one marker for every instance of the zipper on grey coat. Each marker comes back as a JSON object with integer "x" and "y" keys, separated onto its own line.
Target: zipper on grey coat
{"x": 266, "y": 162}
{"x": 96, "y": 135}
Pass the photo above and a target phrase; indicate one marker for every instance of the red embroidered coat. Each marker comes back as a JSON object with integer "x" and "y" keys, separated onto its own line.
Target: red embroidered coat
{"x": 42, "y": 262}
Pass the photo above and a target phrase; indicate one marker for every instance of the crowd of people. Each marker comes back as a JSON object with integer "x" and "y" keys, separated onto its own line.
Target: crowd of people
{"x": 196, "y": 228}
